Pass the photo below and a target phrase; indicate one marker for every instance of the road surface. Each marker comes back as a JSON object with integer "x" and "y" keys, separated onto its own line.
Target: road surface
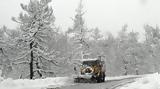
{"x": 113, "y": 84}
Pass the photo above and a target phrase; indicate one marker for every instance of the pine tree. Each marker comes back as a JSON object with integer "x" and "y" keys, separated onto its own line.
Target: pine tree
{"x": 134, "y": 49}
{"x": 6, "y": 44}
{"x": 36, "y": 25}
{"x": 96, "y": 34}
{"x": 152, "y": 44}
{"x": 79, "y": 32}
{"x": 122, "y": 45}
{"x": 95, "y": 42}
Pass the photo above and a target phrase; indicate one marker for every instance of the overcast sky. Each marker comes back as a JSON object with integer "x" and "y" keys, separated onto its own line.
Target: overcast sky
{"x": 108, "y": 15}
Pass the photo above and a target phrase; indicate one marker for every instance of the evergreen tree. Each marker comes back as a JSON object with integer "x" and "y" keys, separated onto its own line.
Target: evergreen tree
{"x": 96, "y": 34}
{"x": 133, "y": 49}
{"x": 152, "y": 45}
{"x": 36, "y": 26}
{"x": 79, "y": 33}
{"x": 5, "y": 45}
{"x": 122, "y": 46}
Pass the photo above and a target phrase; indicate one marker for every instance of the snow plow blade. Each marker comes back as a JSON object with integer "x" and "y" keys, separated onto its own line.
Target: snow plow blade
{"x": 84, "y": 80}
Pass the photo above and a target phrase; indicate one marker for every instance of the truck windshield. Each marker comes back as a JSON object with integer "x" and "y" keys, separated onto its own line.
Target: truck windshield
{"x": 90, "y": 63}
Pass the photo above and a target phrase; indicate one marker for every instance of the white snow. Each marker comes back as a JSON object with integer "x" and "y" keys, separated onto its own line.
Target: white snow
{"x": 151, "y": 81}
{"x": 148, "y": 82}
{"x": 35, "y": 84}
{"x": 94, "y": 59}
{"x": 1, "y": 78}
{"x": 123, "y": 77}
{"x": 82, "y": 60}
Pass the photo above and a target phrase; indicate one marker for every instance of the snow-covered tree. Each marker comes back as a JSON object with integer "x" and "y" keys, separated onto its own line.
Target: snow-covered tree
{"x": 79, "y": 32}
{"x": 152, "y": 45}
{"x": 133, "y": 49}
{"x": 95, "y": 41}
{"x": 122, "y": 46}
{"x": 6, "y": 44}
{"x": 96, "y": 35}
{"x": 36, "y": 24}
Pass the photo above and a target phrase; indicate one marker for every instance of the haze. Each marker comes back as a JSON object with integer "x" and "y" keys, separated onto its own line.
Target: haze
{"x": 107, "y": 15}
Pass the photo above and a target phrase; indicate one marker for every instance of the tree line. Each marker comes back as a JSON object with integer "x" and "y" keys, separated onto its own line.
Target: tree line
{"x": 37, "y": 48}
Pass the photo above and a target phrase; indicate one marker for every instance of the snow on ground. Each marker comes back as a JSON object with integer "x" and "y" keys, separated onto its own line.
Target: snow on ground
{"x": 123, "y": 77}
{"x": 1, "y": 79}
{"x": 148, "y": 82}
{"x": 35, "y": 84}
{"x": 151, "y": 81}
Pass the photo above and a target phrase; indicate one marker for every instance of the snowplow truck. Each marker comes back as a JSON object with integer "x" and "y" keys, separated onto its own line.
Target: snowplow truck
{"x": 91, "y": 71}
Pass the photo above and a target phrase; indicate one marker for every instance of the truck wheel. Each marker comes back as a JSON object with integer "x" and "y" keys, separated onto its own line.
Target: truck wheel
{"x": 103, "y": 78}
{"x": 98, "y": 79}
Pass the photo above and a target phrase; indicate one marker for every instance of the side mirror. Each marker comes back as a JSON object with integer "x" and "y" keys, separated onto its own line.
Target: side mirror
{"x": 103, "y": 62}
{"x": 75, "y": 68}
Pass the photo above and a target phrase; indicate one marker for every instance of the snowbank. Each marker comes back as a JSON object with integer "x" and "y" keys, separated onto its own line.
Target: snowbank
{"x": 148, "y": 82}
{"x": 35, "y": 84}
{"x": 123, "y": 77}
{"x": 1, "y": 78}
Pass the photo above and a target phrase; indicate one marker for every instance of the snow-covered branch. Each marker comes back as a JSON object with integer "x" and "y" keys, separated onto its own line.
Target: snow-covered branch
{"x": 23, "y": 62}
{"x": 23, "y": 56}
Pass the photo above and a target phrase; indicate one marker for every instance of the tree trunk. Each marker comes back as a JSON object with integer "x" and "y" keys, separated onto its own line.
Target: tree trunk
{"x": 82, "y": 54}
{"x": 38, "y": 71}
{"x": 31, "y": 62}
{"x": 136, "y": 65}
{"x": 126, "y": 70}
{"x": 125, "y": 66}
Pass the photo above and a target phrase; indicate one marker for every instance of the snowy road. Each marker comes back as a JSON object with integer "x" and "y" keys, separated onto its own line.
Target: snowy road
{"x": 146, "y": 82}
{"x": 105, "y": 85}
{"x": 121, "y": 82}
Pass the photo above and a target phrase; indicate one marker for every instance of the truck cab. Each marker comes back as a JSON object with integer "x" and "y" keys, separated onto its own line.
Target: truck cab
{"x": 92, "y": 69}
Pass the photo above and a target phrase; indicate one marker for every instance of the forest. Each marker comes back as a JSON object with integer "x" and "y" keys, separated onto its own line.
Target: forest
{"x": 38, "y": 49}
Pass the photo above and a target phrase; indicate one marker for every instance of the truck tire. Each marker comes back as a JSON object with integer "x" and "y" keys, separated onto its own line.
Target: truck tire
{"x": 98, "y": 79}
{"x": 103, "y": 78}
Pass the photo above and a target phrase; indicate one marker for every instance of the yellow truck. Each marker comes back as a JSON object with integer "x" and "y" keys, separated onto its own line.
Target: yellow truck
{"x": 91, "y": 70}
